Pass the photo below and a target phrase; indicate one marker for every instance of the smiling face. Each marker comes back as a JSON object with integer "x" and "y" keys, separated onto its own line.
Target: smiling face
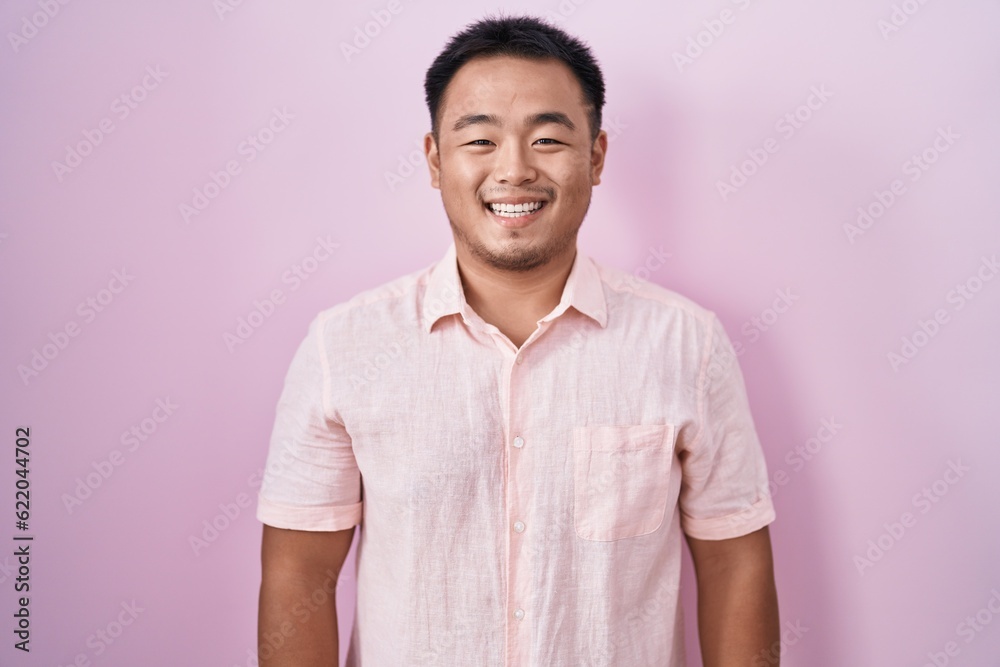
{"x": 514, "y": 160}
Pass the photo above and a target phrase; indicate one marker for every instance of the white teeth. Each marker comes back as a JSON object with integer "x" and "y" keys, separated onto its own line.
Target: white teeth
{"x": 515, "y": 210}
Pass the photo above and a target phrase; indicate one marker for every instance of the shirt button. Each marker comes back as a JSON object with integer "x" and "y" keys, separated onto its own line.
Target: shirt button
{"x": 518, "y": 527}
{"x": 519, "y": 442}
{"x": 519, "y": 361}
{"x": 519, "y": 614}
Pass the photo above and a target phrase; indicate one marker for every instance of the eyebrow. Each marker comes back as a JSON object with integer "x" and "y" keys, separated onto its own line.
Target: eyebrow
{"x": 532, "y": 120}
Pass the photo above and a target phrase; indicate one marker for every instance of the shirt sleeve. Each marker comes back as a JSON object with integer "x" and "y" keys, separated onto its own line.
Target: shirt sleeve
{"x": 724, "y": 489}
{"x": 311, "y": 480}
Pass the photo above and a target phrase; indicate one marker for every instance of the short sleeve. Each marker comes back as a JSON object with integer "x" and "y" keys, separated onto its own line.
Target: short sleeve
{"x": 311, "y": 480}
{"x": 724, "y": 490}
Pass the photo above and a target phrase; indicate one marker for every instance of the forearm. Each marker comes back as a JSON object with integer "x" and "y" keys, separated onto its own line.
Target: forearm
{"x": 737, "y": 600}
{"x": 293, "y": 630}
{"x": 738, "y": 619}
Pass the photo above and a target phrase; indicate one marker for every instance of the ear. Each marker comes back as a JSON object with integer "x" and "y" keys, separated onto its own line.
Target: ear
{"x": 597, "y": 153}
{"x": 433, "y": 156}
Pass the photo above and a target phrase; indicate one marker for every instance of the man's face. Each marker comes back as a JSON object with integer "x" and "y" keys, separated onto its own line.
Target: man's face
{"x": 514, "y": 131}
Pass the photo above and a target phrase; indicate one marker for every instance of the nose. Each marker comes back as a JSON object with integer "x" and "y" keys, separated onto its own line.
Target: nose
{"x": 513, "y": 165}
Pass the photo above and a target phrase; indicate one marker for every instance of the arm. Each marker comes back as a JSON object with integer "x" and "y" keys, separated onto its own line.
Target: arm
{"x": 297, "y": 613}
{"x": 737, "y": 599}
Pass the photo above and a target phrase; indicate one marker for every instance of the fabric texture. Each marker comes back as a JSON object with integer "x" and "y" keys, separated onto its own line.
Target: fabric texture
{"x": 517, "y": 507}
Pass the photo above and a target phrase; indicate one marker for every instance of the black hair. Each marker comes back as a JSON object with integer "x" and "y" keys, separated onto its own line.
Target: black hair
{"x": 520, "y": 37}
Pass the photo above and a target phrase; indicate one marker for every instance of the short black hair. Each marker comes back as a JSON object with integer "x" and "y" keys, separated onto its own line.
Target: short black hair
{"x": 520, "y": 37}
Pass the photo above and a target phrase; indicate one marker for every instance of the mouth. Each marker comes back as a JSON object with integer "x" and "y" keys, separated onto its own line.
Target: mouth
{"x": 515, "y": 215}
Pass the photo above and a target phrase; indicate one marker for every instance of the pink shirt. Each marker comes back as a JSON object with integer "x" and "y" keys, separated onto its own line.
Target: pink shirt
{"x": 517, "y": 506}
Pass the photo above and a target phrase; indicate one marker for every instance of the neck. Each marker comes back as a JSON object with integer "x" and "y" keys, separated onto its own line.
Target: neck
{"x": 513, "y": 299}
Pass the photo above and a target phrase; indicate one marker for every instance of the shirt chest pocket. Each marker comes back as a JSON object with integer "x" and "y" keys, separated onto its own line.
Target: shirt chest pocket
{"x": 621, "y": 478}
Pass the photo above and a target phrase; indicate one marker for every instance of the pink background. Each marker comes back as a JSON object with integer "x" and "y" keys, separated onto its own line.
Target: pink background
{"x": 676, "y": 131}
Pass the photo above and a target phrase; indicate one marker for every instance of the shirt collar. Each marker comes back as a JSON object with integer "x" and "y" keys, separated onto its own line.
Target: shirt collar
{"x": 584, "y": 290}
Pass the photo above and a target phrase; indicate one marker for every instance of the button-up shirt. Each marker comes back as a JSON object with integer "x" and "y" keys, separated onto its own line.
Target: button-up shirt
{"x": 518, "y": 506}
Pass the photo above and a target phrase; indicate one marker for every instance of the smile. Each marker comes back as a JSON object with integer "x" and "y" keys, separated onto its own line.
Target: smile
{"x": 515, "y": 210}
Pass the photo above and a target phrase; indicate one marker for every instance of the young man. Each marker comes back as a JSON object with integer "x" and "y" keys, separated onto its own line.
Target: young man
{"x": 523, "y": 435}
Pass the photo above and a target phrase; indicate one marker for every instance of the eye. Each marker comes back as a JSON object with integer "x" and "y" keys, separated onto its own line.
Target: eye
{"x": 476, "y": 142}
{"x": 551, "y": 140}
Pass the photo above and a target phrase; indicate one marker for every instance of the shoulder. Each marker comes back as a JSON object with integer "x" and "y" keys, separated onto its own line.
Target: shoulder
{"x": 392, "y": 303}
{"x": 628, "y": 293}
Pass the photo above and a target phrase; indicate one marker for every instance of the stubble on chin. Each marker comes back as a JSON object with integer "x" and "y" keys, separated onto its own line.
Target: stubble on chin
{"x": 514, "y": 257}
